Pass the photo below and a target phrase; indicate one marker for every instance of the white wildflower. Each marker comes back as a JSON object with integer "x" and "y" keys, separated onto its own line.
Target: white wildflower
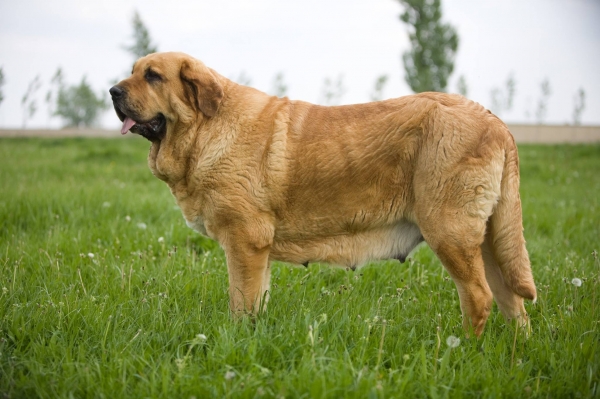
{"x": 230, "y": 375}
{"x": 128, "y": 218}
{"x": 142, "y": 225}
{"x": 91, "y": 255}
{"x": 453, "y": 341}
{"x": 180, "y": 363}
{"x": 161, "y": 239}
{"x": 106, "y": 205}
{"x": 576, "y": 282}
{"x": 201, "y": 337}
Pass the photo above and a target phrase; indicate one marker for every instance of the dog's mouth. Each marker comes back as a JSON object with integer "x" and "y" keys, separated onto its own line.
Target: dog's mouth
{"x": 153, "y": 129}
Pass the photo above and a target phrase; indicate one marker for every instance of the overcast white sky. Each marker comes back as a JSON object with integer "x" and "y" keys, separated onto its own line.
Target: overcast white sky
{"x": 308, "y": 41}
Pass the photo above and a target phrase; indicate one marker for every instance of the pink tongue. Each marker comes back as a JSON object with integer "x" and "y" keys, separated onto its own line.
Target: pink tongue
{"x": 127, "y": 124}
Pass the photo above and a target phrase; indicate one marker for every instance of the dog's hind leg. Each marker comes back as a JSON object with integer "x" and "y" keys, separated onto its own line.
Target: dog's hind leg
{"x": 466, "y": 267}
{"x": 509, "y": 303}
{"x": 456, "y": 237}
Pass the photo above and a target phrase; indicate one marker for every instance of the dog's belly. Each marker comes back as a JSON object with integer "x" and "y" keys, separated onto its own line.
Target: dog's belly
{"x": 351, "y": 249}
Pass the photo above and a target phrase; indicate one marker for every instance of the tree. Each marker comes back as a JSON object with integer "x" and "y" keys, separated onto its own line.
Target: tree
{"x": 2, "y": 81}
{"x": 377, "y": 93}
{"x": 142, "y": 44}
{"x": 243, "y": 79}
{"x": 430, "y": 61}
{"x": 332, "y": 91}
{"x": 461, "y": 86}
{"x": 56, "y": 83}
{"x": 502, "y": 100}
{"x": 542, "y": 107}
{"x": 279, "y": 87}
{"x": 28, "y": 101}
{"x": 511, "y": 88}
{"x": 528, "y": 107}
{"x": 78, "y": 105}
{"x": 579, "y": 106}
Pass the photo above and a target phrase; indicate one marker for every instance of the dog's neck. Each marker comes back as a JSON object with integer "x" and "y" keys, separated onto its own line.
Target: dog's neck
{"x": 194, "y": 149}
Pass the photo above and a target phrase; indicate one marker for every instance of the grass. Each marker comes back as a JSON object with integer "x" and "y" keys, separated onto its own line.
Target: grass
{"x": 107, "y": 294}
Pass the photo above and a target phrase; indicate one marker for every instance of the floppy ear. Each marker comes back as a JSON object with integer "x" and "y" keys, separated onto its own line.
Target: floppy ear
{"x": 202, "y": 90}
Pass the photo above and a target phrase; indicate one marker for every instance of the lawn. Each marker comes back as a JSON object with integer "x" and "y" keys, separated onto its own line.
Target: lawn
{"x": 105, "y": 293}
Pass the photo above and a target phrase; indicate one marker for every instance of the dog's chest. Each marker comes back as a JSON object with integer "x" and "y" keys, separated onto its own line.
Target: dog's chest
{"x": 193, "y": 217}
{"x": 197, "y": 224}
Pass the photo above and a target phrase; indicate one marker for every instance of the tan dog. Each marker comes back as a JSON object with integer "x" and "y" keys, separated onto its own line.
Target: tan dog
{"x": 275, "y": 179}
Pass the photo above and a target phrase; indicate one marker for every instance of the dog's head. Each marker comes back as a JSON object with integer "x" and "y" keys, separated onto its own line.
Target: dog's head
{"x": 165, "y": 89}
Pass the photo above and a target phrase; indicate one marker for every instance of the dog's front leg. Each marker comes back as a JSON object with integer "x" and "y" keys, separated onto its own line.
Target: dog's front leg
{"x": 249, "y": 276}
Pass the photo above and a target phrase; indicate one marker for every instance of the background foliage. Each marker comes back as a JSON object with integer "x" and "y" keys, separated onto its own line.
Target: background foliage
{"x": 430, "y": 61}
{"x": 79, "y": 105}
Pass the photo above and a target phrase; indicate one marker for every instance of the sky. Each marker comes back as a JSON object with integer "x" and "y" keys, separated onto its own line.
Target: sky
{"x": 308, "y": 41}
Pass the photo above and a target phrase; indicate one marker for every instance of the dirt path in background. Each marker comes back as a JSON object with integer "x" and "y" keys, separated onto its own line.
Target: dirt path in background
{"x": 56, "y": 133}
{"x": 548, "y": 134}
{"x": 552, "y": 134}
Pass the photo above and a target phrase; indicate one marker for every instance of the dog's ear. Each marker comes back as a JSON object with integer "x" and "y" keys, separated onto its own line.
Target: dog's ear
{"x": 202, "y": 90}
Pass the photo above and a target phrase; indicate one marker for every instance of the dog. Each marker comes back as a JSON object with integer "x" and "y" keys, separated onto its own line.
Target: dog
{"x": 274, "y": 179}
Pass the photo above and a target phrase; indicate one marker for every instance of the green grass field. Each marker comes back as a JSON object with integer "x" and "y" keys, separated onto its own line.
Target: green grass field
{"x": 105, "y": 293}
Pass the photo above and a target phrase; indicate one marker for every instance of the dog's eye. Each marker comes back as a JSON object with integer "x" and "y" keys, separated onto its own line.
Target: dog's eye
{"x": 152, "y": 76}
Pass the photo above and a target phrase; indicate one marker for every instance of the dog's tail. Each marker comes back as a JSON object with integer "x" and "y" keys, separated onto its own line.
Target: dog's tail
{"x": 506, "y": 227}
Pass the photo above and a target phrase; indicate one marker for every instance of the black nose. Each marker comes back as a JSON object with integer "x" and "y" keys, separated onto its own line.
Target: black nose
{"x": 116, "y": 91}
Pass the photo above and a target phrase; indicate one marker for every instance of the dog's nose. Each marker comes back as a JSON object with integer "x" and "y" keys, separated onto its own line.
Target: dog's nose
{"x": 116, "y": 91}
